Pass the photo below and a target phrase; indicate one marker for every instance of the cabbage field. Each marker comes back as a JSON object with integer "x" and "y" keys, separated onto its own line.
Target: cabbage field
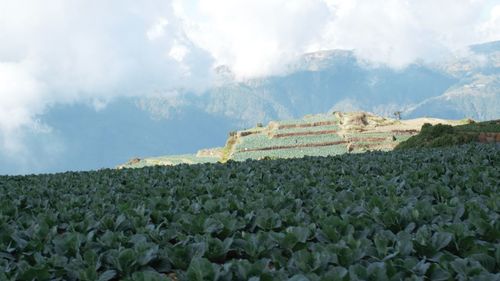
{"x": 309, "y": 119}
{"x": 291, "y": 152}
{"x": 417, "y": 214}
{"x": 307, "y": 129}
{"x": 260, "y": 141}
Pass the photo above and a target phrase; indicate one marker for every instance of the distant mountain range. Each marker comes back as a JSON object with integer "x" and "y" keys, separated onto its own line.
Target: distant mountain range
{"x": 336, "y": 80}
{"x": 324, "y": 81}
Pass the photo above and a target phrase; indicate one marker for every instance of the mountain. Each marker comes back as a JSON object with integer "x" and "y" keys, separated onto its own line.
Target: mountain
{"x": 475, "y": 95}
{"x": 326, "y": 81}
{"x": 321, "y": 82}
{"x": 337, "y": 81}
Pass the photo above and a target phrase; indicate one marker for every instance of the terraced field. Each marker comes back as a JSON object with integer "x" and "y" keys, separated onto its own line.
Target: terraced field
{"x": 317, "y": 135}
{"x": 292, "y": 153}
{"x": 312, "y": 135}
{"x": 312, "y": 129}
{"x": 169, "y": 160}
{"x": 264, "y": 142}
{"x": 384, "y": 141}
{"x": 308, "y": 119}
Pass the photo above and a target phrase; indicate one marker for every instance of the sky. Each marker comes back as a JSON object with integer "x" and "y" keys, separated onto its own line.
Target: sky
{"x": 87, "y": 51}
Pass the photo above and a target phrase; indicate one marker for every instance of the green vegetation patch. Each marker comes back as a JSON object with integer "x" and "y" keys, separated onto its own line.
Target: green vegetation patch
{"x": 292, "y": 152}
{"x": 259, "y": 141}
{"x": 492, "y": 126}
{"x": 370, "y": 135}
{"x": 228, "y": 149}
{"x": 445, "y": 135}
{"x": 421, "y": 214}
{"x": 309, "y": 119}
{"x": 307, "y": 129}
{"x": 171, "y": 160}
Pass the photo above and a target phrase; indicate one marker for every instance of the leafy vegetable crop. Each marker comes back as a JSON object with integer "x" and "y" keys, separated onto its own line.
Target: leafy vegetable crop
{"x": 427, "y": 214}
{"x": 259, "y": 141}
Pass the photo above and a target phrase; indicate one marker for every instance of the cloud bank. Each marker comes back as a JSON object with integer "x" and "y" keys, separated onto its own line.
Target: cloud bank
{"x": 258, "y": 37}
{"x": 62, "y": 52}
{"x": 397, "y": 33}
{"x": 254, "y": 37}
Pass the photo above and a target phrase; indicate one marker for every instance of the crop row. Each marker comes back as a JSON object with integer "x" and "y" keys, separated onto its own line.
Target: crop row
{"x": 309, "y": 119}
{"x": 370, "y": 135}
{"x": 292, "y": 153}
{"x": 258, "y": 141}
{"x": 307, "y": 129}
{"x": 428, "y": 214}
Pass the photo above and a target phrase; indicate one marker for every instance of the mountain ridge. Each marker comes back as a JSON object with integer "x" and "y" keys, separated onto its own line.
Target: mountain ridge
{"x": 324, "y": 80}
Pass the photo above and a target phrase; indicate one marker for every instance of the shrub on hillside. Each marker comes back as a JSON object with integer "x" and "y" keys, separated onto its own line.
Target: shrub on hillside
{"x": 437, "y": 136}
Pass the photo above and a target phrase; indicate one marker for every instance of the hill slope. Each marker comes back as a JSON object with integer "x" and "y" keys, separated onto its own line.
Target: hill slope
{"x": 446, "y": 135}
{"x": 313, "y": 135}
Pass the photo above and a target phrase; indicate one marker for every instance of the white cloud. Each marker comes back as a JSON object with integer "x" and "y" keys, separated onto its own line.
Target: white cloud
{"x": 83, "y": 51}
{"x": 399, "y": 32}
{"x": 20, "y": 93}
{"x": 258, "y": 37}
{"x": 157, "y": 30}
{"x": 490, "y": 29}
{"x": 178, "y": 52}
{"x": 254, "y": 37}
{"x": 59, "y": 51}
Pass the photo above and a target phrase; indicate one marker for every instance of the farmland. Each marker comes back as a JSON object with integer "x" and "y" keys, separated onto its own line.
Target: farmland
{"x": 170, "y": 160}
{"x": 312, "y": 135}
{"x": 321, "y": 135}
{"x": 260, "y": 141}
{"x": 296, "y": 152}
{"x": 416, "y": 214}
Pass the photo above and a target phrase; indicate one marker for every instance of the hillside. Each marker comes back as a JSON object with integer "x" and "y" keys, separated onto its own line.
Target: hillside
{"x": 446, "y": 135}
{"x": 420, "y": 214}
{"x": 313, "y": 135}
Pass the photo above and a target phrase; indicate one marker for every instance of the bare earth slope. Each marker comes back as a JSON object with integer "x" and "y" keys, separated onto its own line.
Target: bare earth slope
{"x": 312, "y": 135}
